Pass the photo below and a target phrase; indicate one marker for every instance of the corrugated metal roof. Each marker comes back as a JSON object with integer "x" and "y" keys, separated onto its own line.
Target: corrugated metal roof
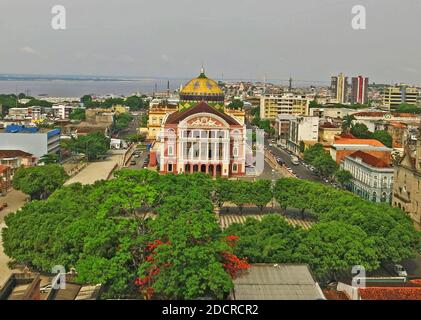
{"x": 277, "y": 282}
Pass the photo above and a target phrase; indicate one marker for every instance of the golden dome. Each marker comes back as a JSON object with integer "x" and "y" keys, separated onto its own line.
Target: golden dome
{"x": 201, "y": 86}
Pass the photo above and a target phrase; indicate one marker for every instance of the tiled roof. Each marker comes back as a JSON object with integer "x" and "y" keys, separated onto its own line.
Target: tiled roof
{"x": 14, "y": 153}
{"x": 390, "y": 293}
{"x": 3, "y": 168}
{"x": 369, "y": 159}
{"x": 328, "y": 125}
{"x": 398, "y": 124}
{"x": 177, "y": 117}
{"x": 371, "y": 142}
{"x": 381, "y": 114}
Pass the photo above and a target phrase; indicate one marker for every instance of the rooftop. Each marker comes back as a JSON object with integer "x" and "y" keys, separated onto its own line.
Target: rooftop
{"x": 14, "y": 154}
{"x": 201, "y": 107}
{"x": 348, "y": 140}
{"x": 277, "y": 282}
{"x": 369, "y": 159}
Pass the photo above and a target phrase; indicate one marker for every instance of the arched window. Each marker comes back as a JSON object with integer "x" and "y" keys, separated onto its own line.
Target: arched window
{"x": 235, "y": 151}
{"x": 234, "y": 167}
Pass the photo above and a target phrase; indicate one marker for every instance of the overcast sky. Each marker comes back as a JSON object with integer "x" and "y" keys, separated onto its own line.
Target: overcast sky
{"x": 306, "y": 39}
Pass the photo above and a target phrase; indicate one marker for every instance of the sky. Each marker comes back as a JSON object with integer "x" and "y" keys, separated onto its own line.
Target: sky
{"x": 308, "y": 40}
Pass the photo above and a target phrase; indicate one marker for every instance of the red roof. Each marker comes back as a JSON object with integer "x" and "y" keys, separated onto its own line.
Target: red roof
{"x": 390, "y": 293}
{"x": 328, "y": 125}
{"x": 3, "y": 168}
{"x": 398, "y": 124}
{"x": 381, "y": 114}
{"x": 371, "y": 142}
{"x": 179, "y": 116}
{"x": 13, "y": 154}
{"x": 369, "y": 159}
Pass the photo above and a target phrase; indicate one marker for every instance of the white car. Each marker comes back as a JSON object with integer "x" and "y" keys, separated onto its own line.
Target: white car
{"x": 400, "y": 271}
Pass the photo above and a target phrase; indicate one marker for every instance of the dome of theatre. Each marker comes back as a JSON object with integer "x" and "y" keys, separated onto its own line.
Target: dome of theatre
{"x": 202, "y": 89}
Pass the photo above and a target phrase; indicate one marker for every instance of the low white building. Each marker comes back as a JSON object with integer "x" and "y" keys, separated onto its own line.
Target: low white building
{"x": 372, "y": 177}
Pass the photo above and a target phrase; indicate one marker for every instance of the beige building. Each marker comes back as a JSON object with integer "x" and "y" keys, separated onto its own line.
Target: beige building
{"x": 340, "y": 88}
{"x": 407, "y": 185}
{"x": 157, "y": 113}
{"x": 394, "y": 96}
{"x": 327, "y": 133}
{"x": 273, "y": 105}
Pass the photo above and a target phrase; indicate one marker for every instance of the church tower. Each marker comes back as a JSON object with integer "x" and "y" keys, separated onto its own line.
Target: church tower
{"x": 418, "y": 151}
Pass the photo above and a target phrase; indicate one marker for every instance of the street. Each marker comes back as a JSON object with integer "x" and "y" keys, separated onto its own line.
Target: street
{"x": 300, "y": 170}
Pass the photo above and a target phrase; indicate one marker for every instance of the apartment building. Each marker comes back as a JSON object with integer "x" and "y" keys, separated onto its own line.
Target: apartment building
{"x": 359, "y": 90}
{"x": 395, "y": 95}
{"x": 339, "y": 87}
{"x": 272, "y": 105}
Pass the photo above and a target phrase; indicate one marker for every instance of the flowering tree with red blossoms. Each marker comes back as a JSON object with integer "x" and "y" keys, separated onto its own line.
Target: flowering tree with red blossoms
{"x": 188, "y": 257}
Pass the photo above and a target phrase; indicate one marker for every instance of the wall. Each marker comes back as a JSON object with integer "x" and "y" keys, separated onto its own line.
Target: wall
{"x": 33, "y": 143}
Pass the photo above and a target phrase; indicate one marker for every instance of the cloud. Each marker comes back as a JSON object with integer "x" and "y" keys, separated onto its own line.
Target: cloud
{"x": 29, "y": 50}
{"x": 165, "y": 57}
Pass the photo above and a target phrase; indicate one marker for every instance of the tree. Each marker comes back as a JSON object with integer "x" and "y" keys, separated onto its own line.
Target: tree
{"x": 314, "y": 104}
{"x": 347, "y": 123}
{"x": 135, "y": 103}
{"x": 261, "y": 193}
{"x": 408, "y": 108}
{"x": 78, "y": 114}
{"x": 49, "y": 158}
{"x": 360, "y": 131}
{"x": 335, "y": 246}
{"x": 302, "y": 146}
{"x": 39, "y": 182}
{"x": 384, "y": 137}
{"x": 236, "y": 104}
{"x": 240, "y": 193}
{"x": 86, "y": 98}
{"x": 136, "y": 138}
{"x": 266, "y": 241}
{"x": 185, "y": 254}
{"x": 93, "y": 145}
{"x": 325, "y": 165}
{"x": 343, "y": 177}
{"x": 121, "y": 121}
{"x": 312, "y": 152}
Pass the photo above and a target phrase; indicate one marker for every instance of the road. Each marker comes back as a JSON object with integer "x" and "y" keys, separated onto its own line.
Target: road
{"x": 139, "y": 161}
{"x": 300, "y": 170}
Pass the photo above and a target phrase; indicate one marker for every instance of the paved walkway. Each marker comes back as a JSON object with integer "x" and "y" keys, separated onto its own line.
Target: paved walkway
{"x": 95, "y": 171}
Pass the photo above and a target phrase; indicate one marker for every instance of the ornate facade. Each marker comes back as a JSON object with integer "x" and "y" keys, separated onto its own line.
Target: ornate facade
{"x": 202, "y": 139}
{"x": 407, "y": 183}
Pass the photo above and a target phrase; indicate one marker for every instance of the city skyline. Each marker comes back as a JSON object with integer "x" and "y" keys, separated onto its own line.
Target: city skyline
{"x": 162, "y": 42}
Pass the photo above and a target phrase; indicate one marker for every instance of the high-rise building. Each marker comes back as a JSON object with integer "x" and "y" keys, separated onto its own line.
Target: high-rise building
{"x": 339, "y": 88}
{"x": 359, "y": 90}
{"x": 272, "y": 105}
{"x": 395, "y": 95}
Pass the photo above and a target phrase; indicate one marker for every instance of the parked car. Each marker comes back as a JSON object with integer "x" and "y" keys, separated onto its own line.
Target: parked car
{"x": 399, "y": 270}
